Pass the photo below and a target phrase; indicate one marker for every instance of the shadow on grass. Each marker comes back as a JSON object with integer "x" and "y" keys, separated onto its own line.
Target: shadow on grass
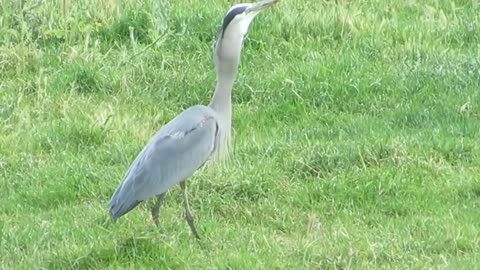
{"x": 131, "y": 250}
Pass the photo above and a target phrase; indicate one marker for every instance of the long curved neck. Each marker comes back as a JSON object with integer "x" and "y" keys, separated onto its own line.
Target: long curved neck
{"x": 227, "y": 59}
{"x": 222, "y": 98}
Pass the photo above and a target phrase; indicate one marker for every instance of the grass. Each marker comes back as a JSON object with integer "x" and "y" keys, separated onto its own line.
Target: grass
{"x": 356, "y": 135}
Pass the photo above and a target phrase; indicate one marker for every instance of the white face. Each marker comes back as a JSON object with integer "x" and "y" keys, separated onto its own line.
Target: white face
{"x": 235, "y": 26}
{"x": 238, "y": 26}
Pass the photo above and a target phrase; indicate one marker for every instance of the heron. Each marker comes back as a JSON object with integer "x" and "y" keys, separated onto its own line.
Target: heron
{"x": 195, "y": 136}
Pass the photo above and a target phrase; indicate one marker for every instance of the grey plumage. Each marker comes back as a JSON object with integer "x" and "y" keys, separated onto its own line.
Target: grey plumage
{"x": 198, "y": 134}
{"x": 173, "y": 154}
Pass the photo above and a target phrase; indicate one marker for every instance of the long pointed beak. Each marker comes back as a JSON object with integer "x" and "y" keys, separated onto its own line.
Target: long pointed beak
{"x": 260, "y": 5}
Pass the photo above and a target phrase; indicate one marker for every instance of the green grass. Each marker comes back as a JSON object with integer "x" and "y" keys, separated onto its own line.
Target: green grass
{"x": 357, "y": 129}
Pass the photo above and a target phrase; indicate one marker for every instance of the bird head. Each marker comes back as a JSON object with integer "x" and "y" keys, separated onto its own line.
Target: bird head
{"x": 235, "y": 26}
{"x": 239, "y": 17}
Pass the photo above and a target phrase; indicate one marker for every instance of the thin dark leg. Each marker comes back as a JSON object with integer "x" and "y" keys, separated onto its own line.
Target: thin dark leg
{"x": 188, "y": 215}
{"x": 156, "y": 209}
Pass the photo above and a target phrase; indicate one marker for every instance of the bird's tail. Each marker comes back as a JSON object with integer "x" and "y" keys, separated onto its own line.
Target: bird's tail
{"x": 122, "y": 202}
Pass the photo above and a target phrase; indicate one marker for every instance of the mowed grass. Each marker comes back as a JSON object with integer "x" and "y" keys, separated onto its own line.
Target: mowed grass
{"x": 356, "y": 128}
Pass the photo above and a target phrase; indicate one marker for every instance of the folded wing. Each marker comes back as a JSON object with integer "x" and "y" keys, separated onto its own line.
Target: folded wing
{"x": 172, "y": 155}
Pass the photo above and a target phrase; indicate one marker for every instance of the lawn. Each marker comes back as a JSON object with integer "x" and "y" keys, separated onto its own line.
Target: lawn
{"x": 356, "y": 135}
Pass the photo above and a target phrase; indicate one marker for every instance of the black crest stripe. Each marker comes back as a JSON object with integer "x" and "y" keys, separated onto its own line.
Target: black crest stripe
{"x": 234, "y": 12}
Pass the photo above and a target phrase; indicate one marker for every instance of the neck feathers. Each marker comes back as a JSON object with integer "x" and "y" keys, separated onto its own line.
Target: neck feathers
{"x": 227, "y": 59}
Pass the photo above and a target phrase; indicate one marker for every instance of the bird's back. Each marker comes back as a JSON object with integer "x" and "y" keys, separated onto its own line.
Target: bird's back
{"x": 174, "y": 153}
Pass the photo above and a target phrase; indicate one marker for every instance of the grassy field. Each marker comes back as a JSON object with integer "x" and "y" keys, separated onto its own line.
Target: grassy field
{"x": 356, "y": 129}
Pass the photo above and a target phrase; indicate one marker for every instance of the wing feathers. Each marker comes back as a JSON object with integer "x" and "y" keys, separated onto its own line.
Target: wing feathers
{"x": 173, "y": 155}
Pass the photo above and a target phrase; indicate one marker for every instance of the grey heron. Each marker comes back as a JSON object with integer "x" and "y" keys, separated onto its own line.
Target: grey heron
{"x": 193, "y": 137}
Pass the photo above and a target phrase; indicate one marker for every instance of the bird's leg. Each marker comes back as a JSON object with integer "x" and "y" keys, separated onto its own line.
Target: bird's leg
{"x": 188, "y": 215}
{"x": 156, "y": 209}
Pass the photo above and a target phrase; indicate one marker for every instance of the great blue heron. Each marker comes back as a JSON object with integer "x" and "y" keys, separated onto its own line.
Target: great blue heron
{"x": 199, "y": 133}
